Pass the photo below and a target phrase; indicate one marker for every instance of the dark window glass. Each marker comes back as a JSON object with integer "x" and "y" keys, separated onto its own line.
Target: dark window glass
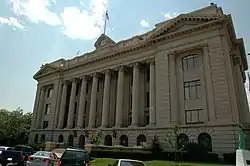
{"x": 192, "y": 89}
{"x": 194, "y": 116}
{"x": 190, "y": 62}
{"x": 75, "y": 155}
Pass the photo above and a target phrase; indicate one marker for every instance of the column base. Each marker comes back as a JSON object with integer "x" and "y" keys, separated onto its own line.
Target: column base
{"x": 117, "y": 126}
{"x": 102, "y": 127}
{"x": 133, "y": 126}
{"x": 151, "y": 125}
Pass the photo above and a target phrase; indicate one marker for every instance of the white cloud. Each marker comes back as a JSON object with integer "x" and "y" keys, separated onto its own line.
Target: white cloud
{"x": 75, "y": 23}
{"x": 86, "y": 24}
{"x": 12, "y": 22}
{"x": 36, "y": 11}
{"x": 144, "y": 23}
{"x": 170, "y": 15}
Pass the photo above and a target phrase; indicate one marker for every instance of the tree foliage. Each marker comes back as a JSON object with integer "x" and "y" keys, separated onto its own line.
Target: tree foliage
{"x": 96, "y": 137}
{"x": 14, "y": 127}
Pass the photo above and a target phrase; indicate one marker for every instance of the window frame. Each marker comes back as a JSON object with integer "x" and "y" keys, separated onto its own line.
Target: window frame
{"x": 197, "y": 85}
{"x": 47, "y": 111}
{"x": 198, "y": 110}
{"x": 194, "y": 56}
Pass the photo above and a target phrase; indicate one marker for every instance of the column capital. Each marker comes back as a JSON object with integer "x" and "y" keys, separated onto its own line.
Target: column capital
{"x": 136, "y": 65}
{"x": 43, "y": 88}
{"x": 95, "y": 75}
{"x": 83, "y": 77}
{"x": 122, "y": 68}
{"x": 107, "y": 72}
{"x": 65, "y": 81}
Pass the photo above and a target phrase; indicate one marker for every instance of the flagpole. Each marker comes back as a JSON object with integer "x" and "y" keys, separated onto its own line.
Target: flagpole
{"x": 105, "y": 24}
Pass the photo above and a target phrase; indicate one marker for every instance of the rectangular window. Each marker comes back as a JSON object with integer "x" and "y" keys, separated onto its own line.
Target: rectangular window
{"x": 77, "y": 88}
{"x": 147, "y": 102}
{"x": 87, "y": 87}
{"x": 130, "y": 118}
{"x": 49, "y": 92}
{"x": 84, "y": 123}
{"x": 85, "y": 108}
{"x": 192, "y": 89}
{"x": 190, "y": 62}
{"x": 45, "y": 124}
{"x": 47, "y": 109}
{"x": 194, "y": 116}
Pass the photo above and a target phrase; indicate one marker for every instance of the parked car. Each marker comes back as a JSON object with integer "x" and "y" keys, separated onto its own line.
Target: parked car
{"x": 42, "y": 158}
{"x": 74, "y": 156}
{"x": 16, "y": 155}
{"x": 2, "y": 148}
{"x": 127, "y": 162}
{"x": 59, "y": 151}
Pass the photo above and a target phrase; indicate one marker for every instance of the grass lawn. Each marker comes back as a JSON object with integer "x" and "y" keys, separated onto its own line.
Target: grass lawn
{"x": 105, "y": 162}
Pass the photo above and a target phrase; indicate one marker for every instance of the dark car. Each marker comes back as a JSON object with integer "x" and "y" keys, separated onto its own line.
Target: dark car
{"x": 16, "y": 155}
{"x": 74, "y": 157}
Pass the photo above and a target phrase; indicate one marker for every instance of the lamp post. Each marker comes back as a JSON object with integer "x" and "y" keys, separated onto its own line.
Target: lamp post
{"x": 56, "y": 105}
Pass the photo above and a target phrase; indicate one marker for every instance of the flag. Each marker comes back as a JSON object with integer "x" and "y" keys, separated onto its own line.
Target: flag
{"x": 248, "y": 81}
{"x": 107, "y": 15}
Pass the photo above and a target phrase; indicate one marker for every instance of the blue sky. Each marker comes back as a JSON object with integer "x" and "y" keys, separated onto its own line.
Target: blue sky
{"x": 33, "y": 32}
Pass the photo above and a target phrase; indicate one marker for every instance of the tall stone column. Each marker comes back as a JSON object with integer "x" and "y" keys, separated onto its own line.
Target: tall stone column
{"x": 82, "y": 103}
{"x": 152, "y": 115}
{"x": 135, "y": 95}
{"x": 92, "y": 114}
{"x": 119, "y": 98}
{"x": 58, "y": 102}
{"x": 62, "y": 106}
{"x": 72, "y": 104}
{"x": 106, "y": 99}
{"x": 36, "y": 104}
{"x": 40, "y": 108}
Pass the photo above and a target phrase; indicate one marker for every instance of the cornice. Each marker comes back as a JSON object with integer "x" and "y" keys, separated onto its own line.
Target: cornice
{"x": 143, "y": 45}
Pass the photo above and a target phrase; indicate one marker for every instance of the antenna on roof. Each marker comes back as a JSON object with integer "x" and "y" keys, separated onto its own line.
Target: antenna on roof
{"x": 78, "y": 52}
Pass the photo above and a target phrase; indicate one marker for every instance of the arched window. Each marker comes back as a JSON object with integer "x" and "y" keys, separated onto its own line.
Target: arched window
{"x": 124, "y": 140}
{"x": 206, "y": 140}
{"x": 60, "y": 138}
{"x": 140, "y": 140}
{"x": 182, "y": 140}
{"x": 42, "y": 139}
{"x": 81, "y": 141}
{"x": 108, "y": 140}
{"x": 70, "y": 140}
{"x": 36, "y": 138}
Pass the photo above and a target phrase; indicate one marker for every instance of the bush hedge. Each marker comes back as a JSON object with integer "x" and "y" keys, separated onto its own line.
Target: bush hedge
{"x": 229, "y": 158}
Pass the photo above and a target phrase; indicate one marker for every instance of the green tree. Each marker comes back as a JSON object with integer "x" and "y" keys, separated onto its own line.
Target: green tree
{"x": 15, "y": 126}
{"x": 96, "y": 137}
{"x": 172, "y": 139}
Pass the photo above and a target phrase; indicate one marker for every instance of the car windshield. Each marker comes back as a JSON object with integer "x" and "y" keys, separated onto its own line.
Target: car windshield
{"x": 23, "y": 149}
{"x": 131, "y": 163}
{"x": 75, "y": 155}
{"x": 41, "y": 153}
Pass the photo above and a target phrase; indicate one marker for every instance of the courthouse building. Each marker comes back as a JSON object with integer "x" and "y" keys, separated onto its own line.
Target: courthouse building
{"x": 188, "y": 71}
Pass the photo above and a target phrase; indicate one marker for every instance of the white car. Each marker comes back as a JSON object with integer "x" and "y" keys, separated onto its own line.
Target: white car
{"x": 128, "y": 162}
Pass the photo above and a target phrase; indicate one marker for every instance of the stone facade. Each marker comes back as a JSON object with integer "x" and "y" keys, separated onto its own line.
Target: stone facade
{"x": 187, "y": 71}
